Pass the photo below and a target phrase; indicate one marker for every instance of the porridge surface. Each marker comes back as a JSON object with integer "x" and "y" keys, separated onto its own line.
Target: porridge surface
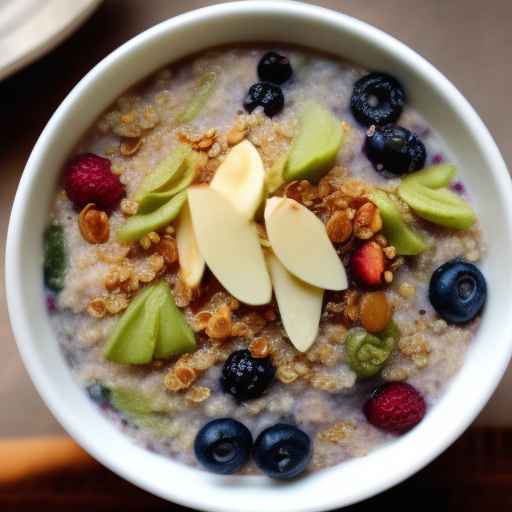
{"x": 317, "y": 390}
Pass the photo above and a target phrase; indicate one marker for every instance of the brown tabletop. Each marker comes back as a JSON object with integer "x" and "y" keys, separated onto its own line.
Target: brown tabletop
{"x": 468, "y": 40}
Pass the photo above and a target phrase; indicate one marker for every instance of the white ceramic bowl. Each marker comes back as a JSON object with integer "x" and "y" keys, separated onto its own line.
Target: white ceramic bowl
{"x": 444, "y": 108}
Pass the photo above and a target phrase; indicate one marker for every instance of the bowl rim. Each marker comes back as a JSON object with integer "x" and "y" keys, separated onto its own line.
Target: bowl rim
{"x": 14, "y": 258}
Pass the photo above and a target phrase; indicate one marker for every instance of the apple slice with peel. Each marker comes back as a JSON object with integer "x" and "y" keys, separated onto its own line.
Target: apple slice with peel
{"x": 191, "y": 262}
{"x": 241, "y": 178}
{"x": 164, "y": 175}
{"x": 174, "y": 334}
{"x": 315, "y": 147}
{"x": 406, "y": 241}
{"x": 439, "y": 206}
{"x": 300, "y": 304}
{"x": 436, "y": 176}
{"x": 299, "y": 239}
{"x": 134, "y": 337}
{"x": 141, "y": 224}
{"x": 229, "y": 243}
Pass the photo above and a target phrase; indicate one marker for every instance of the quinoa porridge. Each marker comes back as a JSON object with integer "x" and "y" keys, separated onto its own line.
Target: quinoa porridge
{"x": 261, "y": 260}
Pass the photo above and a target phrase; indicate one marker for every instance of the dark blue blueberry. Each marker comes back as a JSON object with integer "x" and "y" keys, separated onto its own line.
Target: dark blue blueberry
{"x": 266, "y": 95}
{"x": 282, "y": 451}
{"x": 394, "y": 150}
{"x": 223, "y": 446}
{"x": 457, "y": 291}
{"x": 377, "y": 99}
{"x": 99, "y": 393}
{"x": 246, "y": 377}
{"x": 275, "y": 68}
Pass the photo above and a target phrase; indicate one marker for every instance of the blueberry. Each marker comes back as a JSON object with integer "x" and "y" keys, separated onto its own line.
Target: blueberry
{"x": 266, "y": 95}
{"x": 377, "y": 99}
{"x": 275, "y": 68}
{"x": 99, "y": 393}
{"x": 223, "y": 446}
{"x": 282, "y": 451}
{"x": 457, "y": 291}
{"x": 394, "y": 150}
{"x": 246, "y": 377}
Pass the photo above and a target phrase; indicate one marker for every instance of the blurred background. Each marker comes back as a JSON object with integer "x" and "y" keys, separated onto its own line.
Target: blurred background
{"x": 468, "y": 40}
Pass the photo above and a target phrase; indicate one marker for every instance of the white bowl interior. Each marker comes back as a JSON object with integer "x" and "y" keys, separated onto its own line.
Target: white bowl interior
{"x": 443, "y": 107}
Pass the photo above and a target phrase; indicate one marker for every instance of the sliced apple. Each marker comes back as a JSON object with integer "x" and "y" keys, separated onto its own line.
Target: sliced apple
{"x": 141, "y": 224}
{"x": 300, "y": 304}
{"x": 241, "y": 177}
{"x": 153, "y": 200}
{"x": 439, "y": 206}
{"x": 299, "y": 239}
{"x": 315, "y": 148}
{"x": 152, "y": 327}
{"x": 166, "y": 173}
{"x": 174, "y": 334}
{"x": 229, "y": 244}
{"x": 404, "y": 239}
{"x": 134, "y": 337}
{"x": 191, "y": 262}
{"x": 436, "y": 176}
{"x": 204, "y": 89}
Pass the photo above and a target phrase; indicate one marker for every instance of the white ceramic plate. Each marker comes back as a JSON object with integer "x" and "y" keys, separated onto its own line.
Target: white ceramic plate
{"x": 31, "y": 28}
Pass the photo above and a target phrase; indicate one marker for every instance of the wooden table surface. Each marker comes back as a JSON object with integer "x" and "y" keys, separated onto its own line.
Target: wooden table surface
{"x": 468, "y": 40}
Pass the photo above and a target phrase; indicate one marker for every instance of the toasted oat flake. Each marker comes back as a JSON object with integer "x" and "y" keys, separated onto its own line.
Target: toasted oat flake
{"x": 254, "y": 321}
{"x": 201, "y": 320}
{"x": 236, "y": 134}
{"x": 129, "y": 207}
{"x": 97, "y": 307}
{"x": 240, "y": 329}
{"x": 112, "y": 280}
{"x": 367, "y": 221}
{"x": 220, "y": 324}
{"x": 286, "y": 374}
{"x": 215, "y": 150}
{"x": 260, "y": 347}
{"x": 339, "y": 227}
{"x": 156, "y": 262}
{"x": 116, "y": 303}
{"x": 145, "y": 242}
{"x": 407, "y": 290}
{"x": 389, "y": 252}
{"x": 168, "y": 249}
{"x": 301, "y": 368}
{"x": 392, "y": 373}
{"x": 154, "y": 237}
{"x": 93, "y": 224}
{"x": 146, "y": 276}
{"x": 198, "y": 394}
{"x": 182, "y": 293}
{"x": 125, "y": 273}
{"x": 130, "y": 146}
{"x": 180, "y": 378}
{"x": 413, "y": 345}
{"x": 339, "y": 433}
{"x": 112, "y": 253}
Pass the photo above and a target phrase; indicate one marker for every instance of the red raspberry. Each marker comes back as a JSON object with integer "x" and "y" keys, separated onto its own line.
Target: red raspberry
{"x": 367, "y": 264}
{"x": 395, "y": 407}
{"x": 89, "y": 179}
